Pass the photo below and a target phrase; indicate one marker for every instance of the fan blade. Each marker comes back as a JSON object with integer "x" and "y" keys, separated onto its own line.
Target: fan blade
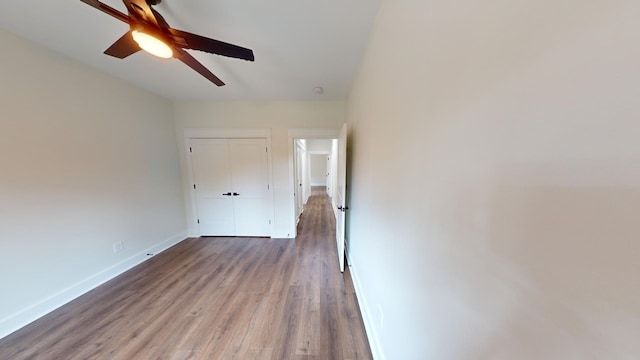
{"x": 161, "y": 21}
{"x": 191, "y": 62}
{"x": 140, "y": 10}
{"x": 124, "y": 47}
{"x": 107, "y": 9}
{"x": 187, "y": 40}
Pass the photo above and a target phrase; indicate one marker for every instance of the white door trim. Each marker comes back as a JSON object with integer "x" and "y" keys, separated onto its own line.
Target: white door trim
{"x": 223, "y": 133}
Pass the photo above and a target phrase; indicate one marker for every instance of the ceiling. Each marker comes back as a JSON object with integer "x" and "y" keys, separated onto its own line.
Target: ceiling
{"x": 298, "y": 44}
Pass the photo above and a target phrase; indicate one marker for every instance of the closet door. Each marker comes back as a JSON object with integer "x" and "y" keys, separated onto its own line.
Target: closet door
{"x": 250, "y": 179}
{"x": 232, "y": 186}
{"x": 212, "y": 177}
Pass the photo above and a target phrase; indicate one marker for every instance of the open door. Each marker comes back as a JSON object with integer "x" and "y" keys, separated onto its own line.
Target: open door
{"x": 341, "y": 195}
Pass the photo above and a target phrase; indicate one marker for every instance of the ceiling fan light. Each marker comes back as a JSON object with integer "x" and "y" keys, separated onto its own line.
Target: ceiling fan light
{"x": 152, "y": 45}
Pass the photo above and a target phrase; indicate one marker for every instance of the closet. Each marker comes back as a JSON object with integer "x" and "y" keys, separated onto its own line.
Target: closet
{"x": 231, "y": 185}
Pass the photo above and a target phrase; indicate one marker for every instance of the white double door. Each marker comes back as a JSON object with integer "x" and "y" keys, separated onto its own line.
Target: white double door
{"x": 231, "y": 183}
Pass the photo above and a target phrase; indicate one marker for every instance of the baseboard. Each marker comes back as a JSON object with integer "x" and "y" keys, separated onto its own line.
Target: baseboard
{"x": 156, "y": 249}
{"x": 282, "y": 236}
{"x": 372, "y": 334}
{"x": 47, "y": 305}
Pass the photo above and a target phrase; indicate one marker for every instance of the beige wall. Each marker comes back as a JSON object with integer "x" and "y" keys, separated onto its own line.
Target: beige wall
{"x": 86, "y": 160}
{"x": 279, "y": 117}
{"x": 495, "y": 180}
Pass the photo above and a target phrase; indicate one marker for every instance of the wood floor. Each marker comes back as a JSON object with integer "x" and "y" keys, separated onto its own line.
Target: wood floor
{"x": 214, "y": 298}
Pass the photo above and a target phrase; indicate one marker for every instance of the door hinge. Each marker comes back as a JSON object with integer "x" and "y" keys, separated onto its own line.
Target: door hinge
{"x": 194, "y": 186}
{"x": 198, "y": 221}
{"x": 269, "y": 222}
{"x": 266, "y": 149}
{"x": 267, "y": 186}
{"x": 190, "y": 150}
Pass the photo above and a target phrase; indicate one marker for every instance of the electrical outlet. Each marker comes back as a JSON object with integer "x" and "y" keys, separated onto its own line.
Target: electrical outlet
{"x": 117, "y": 247}
{"x": 381, "y": 316}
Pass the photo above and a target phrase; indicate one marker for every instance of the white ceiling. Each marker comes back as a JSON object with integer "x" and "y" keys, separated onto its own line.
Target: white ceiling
{"x": 298, "y": 44}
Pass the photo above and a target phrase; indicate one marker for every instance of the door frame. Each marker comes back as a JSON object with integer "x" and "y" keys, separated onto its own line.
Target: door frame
{"x": 302, "y": 133}
{"x": 298, "y": 202}
{"x": 222, "y": 133}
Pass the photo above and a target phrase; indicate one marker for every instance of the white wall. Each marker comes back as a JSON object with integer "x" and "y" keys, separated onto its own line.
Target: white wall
{"x": 86, "y": 161}
{"x": 279, "y": 116}
{"x": 505, "y": 135}
{"x": 318, "y": 169}
{"x": 319, "y": 146}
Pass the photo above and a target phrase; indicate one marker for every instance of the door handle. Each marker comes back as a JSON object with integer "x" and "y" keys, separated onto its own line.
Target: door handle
{"x": 343, "y": 209}
{"x": 235, "y": 194}
{"x": 227, "y": 194}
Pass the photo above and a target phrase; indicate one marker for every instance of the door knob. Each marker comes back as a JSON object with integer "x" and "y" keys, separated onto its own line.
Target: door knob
{"x": 227, "y": 194}
{"x": 340, "y": 208}
{"x": 235, "y": 194}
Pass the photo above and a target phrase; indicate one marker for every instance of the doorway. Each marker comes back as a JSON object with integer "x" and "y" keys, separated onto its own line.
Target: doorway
{"x": 315, "y": 165}
{"x": 331, "y": 144}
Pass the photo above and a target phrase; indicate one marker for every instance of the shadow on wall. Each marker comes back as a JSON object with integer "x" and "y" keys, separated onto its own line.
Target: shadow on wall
{"x": 562, "y": 266}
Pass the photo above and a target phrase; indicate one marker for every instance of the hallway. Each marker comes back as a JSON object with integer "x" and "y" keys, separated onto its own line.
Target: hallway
{"x": 214, "y": 298}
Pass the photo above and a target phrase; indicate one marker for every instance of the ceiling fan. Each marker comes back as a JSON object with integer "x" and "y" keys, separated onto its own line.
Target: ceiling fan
{"x": 150, "y": 32}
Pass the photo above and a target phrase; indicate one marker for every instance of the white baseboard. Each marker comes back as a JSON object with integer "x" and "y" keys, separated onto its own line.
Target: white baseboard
{"x": 47, "y": 305}
{"x": 372, "y": 334}
{"x": 283, "y": 236}
{"x": 276, "y": 234}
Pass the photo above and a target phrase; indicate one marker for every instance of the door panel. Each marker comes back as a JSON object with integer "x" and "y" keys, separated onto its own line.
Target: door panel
{"x": 328, "y": 180}
{"x": 298, "y": 153}
{"x": 252, "y": 218}
{"x": 341, "y": 195}
{"x": 215, "y": 217}
{"x": 250, "y": 178}
{"x": 249, "y": 167}
{"x": 211, "y": 173}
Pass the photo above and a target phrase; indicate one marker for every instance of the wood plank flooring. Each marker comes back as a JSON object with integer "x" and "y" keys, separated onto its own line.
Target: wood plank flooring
{"x": 214, "y": 298}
